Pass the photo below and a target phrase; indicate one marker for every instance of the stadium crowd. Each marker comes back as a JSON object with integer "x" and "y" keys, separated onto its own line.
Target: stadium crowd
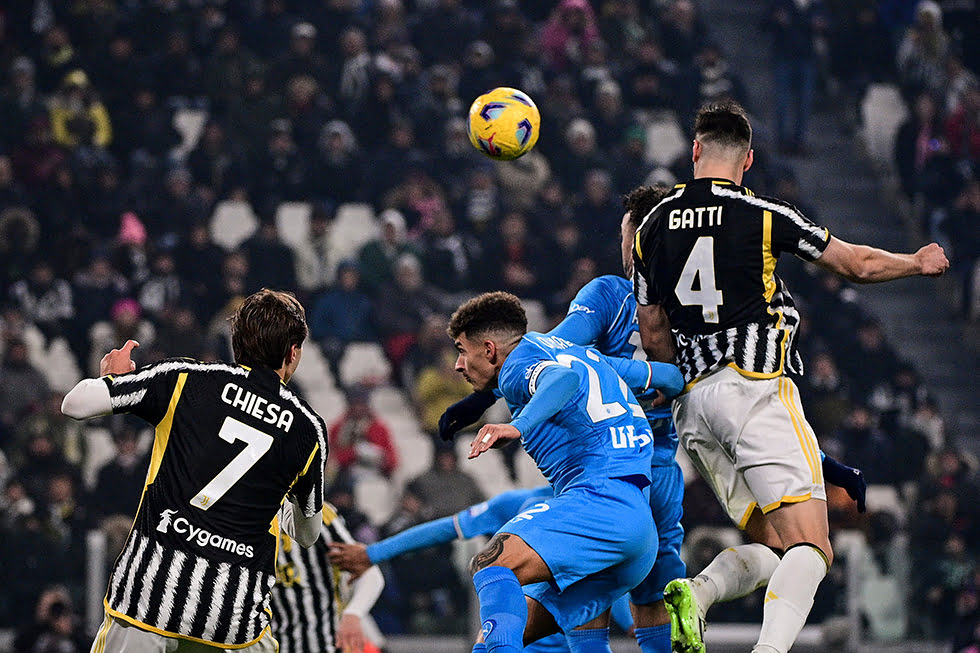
{"x": 107, "y": 233}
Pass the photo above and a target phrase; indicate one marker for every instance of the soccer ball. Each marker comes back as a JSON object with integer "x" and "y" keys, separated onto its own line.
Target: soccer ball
{"x": 504, "y": 123}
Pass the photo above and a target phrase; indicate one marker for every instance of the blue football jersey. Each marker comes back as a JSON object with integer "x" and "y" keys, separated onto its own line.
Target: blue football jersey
{"x": 486, "y": 518}
{"x": 603, "y": 315}
{"x": 600, "y": 433}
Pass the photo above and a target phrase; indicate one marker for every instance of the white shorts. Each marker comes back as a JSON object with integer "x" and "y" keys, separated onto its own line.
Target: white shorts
{"x": 749, "y": 440}
{"x": 117, "y": 636}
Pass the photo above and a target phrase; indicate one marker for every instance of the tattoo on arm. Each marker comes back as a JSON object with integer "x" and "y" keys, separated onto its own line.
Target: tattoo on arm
{"x": 489, "y": 555}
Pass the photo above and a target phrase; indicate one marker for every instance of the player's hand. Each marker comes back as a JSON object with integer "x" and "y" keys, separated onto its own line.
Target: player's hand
{"x": 350, "y": 557}
{"x": 932, "y": 260}
{"x": 849, "y": 478}
{"x": 492, "y": 435}
{"x": 464, "y": 412}
{"x": 119, "y": 361}
{"x": 350, "y": 635}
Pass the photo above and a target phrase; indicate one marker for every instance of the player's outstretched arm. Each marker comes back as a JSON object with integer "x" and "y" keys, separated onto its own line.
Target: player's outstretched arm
{"x": 357, "y": 558}
{"x": 367, "y": 589}
{"x": 464, "y": 412}
{"x": 864, "y": 264}
{"x": 642, "y": 376}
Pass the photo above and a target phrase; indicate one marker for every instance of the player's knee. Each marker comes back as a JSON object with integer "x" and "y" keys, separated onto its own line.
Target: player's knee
{"x": 824, "y": 549}
{"x": 489, "y": 555}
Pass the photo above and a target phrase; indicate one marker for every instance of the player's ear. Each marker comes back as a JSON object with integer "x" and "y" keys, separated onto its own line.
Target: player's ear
{"x": 749, "y": 159}
{"x": 696, "y": 151}
{"x": 490, "y": 350}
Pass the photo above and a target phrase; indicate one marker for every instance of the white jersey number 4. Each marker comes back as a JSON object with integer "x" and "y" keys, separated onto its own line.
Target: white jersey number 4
{"x": 256, "y": 444}
{"x": 699, "y": 270}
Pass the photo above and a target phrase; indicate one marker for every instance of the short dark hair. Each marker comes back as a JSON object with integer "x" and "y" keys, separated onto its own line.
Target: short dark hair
{"x": 266, "y": 326}
{"x": 491, "y": 312}
{"x": 641, "y": 200}
{"x": 724, "y": 123}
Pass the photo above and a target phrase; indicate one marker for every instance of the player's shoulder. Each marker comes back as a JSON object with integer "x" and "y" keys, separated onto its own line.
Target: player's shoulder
{"x": 310, "y": 417}
{"x": 178, "y": 365}
{"x": 611, "y": 283}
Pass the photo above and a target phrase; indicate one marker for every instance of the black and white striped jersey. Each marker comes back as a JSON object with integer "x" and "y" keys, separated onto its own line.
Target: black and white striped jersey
{"x": 707, "y": 253}
{"x": 310, "y": 593}
{"x": 230, "y": 443}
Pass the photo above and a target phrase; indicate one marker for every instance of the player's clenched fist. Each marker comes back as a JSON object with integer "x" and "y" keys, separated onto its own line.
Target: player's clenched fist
{"x": 119, "y": 361}
{"x": 492, "y": 435}
{"x": 932, "y": 260}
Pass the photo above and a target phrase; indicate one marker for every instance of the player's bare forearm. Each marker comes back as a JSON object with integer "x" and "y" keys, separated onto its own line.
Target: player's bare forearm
{"x": 658, "y": 342}
{"x": 864, "y": 264}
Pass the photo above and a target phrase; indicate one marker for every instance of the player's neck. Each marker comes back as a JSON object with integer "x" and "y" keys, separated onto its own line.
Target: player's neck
{"x": 713, "y": 170}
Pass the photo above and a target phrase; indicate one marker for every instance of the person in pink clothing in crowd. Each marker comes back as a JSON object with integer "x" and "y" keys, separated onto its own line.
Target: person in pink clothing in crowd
{"x": 360, "y": 443}
{"x": 569, "y": 31}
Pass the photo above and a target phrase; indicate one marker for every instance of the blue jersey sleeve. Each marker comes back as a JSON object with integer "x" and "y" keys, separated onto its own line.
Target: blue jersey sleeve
{"x": 591, "y": 313}
{"x": 554, "y": 386}
{"x": 488, "y": 517}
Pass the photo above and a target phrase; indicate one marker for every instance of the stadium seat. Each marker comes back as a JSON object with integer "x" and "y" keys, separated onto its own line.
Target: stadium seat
{"x": 665, "y": 140}
{"x": 882, "y": 112}
{"x": 376, "y": 497}
{"x": 354, "y": 225}
{"x": 364, "y": 363}
{"x": 232, "y": 223}
{"x": 189, "y": 123}
{"x": 293, "y": 222}
{"x": 318, "y": 385}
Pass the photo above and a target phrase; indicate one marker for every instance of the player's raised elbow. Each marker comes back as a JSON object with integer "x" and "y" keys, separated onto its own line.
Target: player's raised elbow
{"x": 306, "y": 530}
{"x": 89, "y": 398}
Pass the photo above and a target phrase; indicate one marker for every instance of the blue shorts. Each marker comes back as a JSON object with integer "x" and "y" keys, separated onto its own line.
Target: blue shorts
{"x": 598, "y": 539}
{"x": 666, "y": 504}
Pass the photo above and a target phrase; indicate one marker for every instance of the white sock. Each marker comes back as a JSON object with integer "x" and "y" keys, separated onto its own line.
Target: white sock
{"x": 789, "y": 598}
{"x": 733, "y": 573}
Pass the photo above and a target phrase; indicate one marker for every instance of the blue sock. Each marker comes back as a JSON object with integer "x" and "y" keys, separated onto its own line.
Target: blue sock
{"x": 590, "y": 640}
{"x": 480, "y": 648}
{"x": 655, "y": 639}
{"x": 503, "y": 609}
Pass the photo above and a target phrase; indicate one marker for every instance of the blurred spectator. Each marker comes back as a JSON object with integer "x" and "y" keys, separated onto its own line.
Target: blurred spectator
{"x": 37, "y": 156}
{"x": 315, "y": 270}
{"x": 682, "y": 33}
{"x": 582, "y": 154}
{"x": 19, "y": 238}
{"x": 19, "y": 103}
{"x": 164, "y": 289}
{"x": 795, "y": 26}
{"x": 143, "y": 128}
{"x": 917, "y": 141}
{"x": 39, "y": 462}
{"x": 598, "y": 214}
{"x": 280, "y": 173}
{"x": 15, "y": 504}
{"x": 360, "y": 441}
{"x": 301, "y": 59}
{"x": 963, "y": 126}
{"x": 45, "y": 300}
{"x": 78, "y": 117}
{"x": 131, "y": 254}
{"x": 225, "y": 70}
{"x": 355, "y": 70}
{"x": 67, "y": 518}
{"x": 716, "y": 79}
{"x": 478, "y": 74}
{"x": 441, "y": 31}
{"x": 922, "y": 53}
{"x": 180, "y": 206}
{"x": 177, "y": 71}
{"x": 250, "y": 113}
{"x": 47, "y": 420}
{"x": 179, "y": 334}
{"x": 610, "y": 116}
{"x": 405, "y": 303}
{"x": 872, "y": 360}
{"x": 523, "y": 180}
{"x": 449, "y": 256}
{"x": 126, "y": 323}
{"x": 339, "y": 171}
{"x": 866, "y": 447}
{"x": 57, "y": 627}
{"x": 271, "y": 262}
{"x": 120, "y": 481}
{"x": 23, "y": 387}
{"x": 342, "y": 315}
{"x": 118, "y": 71}
{"x": 650, "y": 79}
{"x": 307, "y": 109}
{"x": 824, "y": 393}
{"x": 518, "y": 260}
{"x": 199, "y": 261}
{"x": 436, "y": 386}
{"x": 481, "y": 201}
{"x": 216, "y": 162}
{"x": 58, "y": 57}
{"x": 567, "y": 33}
{"x": 445, "y": 489}
{"x": 106, "y": 201}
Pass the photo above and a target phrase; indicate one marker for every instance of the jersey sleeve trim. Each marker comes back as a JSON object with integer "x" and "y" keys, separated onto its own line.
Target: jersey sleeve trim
{"x": 177, "y": 365}
{"x": 532, "y": 383}
{"x": 309, "y": 461}
{"x": 458, "y": 528}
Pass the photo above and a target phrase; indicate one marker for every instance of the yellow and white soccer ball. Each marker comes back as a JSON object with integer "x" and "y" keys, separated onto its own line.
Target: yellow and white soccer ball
{"x": 504, "y": 123}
